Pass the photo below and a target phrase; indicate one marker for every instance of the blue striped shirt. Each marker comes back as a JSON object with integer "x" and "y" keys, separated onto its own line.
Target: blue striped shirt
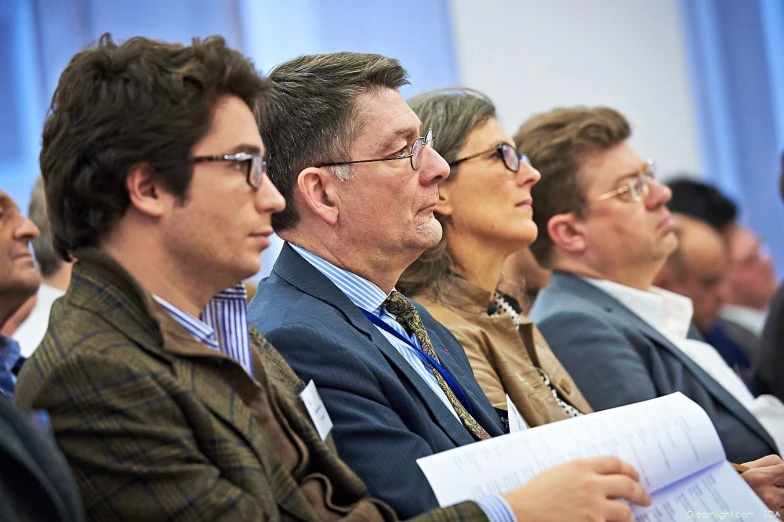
{"x": 224, "y": 324}
{"x": 369, "y": 297}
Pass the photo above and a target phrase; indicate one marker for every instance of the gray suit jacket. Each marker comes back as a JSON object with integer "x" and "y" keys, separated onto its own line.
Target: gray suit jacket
{"x": 384, "y": 415}
{"x": 616, "y": 358}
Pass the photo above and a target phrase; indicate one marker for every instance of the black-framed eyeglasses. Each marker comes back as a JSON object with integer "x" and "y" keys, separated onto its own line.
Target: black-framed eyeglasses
{"x": 510, "y": 156}
{"x": 416, "y": 155}
{"x": 253, "y": 164}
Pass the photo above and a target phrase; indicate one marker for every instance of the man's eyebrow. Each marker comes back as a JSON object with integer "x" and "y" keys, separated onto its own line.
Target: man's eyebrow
{"x": 245, "y": 147}
{"x": 409, "y": 134}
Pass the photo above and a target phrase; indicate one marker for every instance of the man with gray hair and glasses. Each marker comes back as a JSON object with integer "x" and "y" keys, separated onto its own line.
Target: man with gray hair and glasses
{"x": 360, "y": 179}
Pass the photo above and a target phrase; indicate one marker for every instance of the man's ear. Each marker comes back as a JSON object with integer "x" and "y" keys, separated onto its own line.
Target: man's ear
{"x": 444, "y": 205}
{"x": 145, "y": 192}
{"x": 318, "y": 189}
{"x": 567, "y": 231}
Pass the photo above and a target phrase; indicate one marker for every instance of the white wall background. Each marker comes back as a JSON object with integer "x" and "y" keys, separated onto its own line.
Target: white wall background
{"x": 530, "y": 56}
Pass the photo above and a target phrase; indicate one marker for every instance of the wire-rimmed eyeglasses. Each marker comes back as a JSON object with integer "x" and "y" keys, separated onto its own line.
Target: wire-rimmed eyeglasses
{"x": 416, "y": 155}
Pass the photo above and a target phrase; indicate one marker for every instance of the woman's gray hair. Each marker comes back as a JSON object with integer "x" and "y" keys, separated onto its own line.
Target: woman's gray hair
{"x": 453, "y": 113}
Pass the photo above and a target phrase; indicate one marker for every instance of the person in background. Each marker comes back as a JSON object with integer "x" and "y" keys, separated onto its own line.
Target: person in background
{"x": 606, "y": 232}
{"x": 361, "y": 179}
{"x": 19, "y": 280}
{"x": 484, "y": 209}
{"x": 694, "y": 272}
{"x": 55, "y": 273}
{"x": 749, "y": 282}
{"x": 770, "y": 363}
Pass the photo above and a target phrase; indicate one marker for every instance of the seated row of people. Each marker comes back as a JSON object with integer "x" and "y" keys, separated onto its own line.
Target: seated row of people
{"x": 167, "y": 168}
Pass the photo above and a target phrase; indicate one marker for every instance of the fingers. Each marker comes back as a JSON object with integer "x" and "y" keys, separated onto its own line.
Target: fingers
{"x": 618, "y": 512}
{"x": 769, "y": 460}
{"x": 618, "y": 486}
{"x": 771, "y": 497}
{"x": 612, "y": 466}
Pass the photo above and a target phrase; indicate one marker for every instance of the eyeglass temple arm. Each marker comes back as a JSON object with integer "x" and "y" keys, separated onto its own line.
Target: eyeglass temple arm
{"x": 614, "y": 193}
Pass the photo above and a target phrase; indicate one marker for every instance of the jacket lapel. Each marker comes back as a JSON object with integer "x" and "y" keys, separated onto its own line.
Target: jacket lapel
{"x": 291, "y": 267}
{"x": 611, "y": 305}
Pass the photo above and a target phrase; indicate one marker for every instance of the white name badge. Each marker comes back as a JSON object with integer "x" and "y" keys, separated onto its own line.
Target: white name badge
{"x": 516, "y": 421}
{"x": 318, "y": 413}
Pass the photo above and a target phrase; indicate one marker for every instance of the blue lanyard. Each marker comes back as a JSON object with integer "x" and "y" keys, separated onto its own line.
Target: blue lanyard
{"x": 426, "y": 359}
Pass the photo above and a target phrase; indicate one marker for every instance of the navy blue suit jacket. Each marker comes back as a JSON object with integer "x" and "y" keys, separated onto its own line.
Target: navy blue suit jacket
{"x": 384, "y": 415}
{"x": 616, "y": 358}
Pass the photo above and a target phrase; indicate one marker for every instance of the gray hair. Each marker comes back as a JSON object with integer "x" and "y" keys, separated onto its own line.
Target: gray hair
{"x": 453, "y": 114}
{"x": 311, "y": 117}
{"x": 47, "y": 258}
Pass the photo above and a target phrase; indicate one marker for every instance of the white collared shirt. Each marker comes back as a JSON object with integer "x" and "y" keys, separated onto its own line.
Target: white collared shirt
{"x": 751, "y": 319}
{"x": 33, "y": 329}
{"x": 670, "y": 314}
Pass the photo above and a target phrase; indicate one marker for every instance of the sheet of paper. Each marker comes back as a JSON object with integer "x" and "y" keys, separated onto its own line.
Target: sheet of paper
{"x": 516, "y": 421}
{"x": 716, "y": 493}
{"x": 665, "y": 439}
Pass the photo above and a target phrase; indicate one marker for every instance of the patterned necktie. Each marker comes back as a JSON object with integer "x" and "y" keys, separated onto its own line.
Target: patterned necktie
{"x": 409, "y": 318}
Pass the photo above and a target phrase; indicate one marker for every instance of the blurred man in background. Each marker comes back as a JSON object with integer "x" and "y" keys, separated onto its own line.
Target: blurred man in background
{"x": 696, "y": 269}
{"x": 19, "y": 280}
{"x": 749, "y": 279}
{"x": 55, "y": 274}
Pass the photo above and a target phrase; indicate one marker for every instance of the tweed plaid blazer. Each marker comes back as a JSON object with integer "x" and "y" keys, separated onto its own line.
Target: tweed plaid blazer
{"x": 156, "y": 426}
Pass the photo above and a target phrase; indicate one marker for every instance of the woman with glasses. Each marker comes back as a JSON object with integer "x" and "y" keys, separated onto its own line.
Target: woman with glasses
{"x": 485, "y": 212}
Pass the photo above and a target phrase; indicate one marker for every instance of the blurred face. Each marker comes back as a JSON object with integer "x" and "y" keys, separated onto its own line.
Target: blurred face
{"x": 704, "y": 263}
{"x": 222, "y": 227}
{"x": 750, "y": 279}
{"x": 487, "y": 203}
{"x": 19, "y": 277}
{"x": 622, "y": 234}
{"x": 386, "y": 208}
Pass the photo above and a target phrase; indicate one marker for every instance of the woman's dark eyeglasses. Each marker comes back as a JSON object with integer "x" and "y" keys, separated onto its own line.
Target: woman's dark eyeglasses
{"x": 253, "y": 163}
{"x": 510, "y": 156}
{"x": 416, "y": 155}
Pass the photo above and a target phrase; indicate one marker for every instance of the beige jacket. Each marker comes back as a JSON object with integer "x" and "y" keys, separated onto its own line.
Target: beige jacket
{"x": 504, "y": 359}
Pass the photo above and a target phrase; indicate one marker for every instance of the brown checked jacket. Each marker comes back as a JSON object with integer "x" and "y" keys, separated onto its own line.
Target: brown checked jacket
{"x": 156, "y": 426}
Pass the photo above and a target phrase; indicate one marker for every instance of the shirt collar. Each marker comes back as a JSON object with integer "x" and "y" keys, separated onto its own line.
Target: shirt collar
{"x": 667, "y": 312}
{"x": 359, "y": 290}
{"x": 203, "y": 330}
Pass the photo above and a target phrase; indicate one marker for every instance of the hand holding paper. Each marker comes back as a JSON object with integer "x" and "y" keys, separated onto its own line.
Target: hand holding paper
{"x": 580, "y": 490}
{"x": 670, "y": 441}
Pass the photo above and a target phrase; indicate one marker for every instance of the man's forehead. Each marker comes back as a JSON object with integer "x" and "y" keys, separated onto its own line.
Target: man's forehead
{"x": 385, "y": 109}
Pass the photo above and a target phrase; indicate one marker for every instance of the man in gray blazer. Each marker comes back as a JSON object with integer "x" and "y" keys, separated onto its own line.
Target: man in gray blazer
{"x": 605, "y": 230}
{"x": 361, "y": 178}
